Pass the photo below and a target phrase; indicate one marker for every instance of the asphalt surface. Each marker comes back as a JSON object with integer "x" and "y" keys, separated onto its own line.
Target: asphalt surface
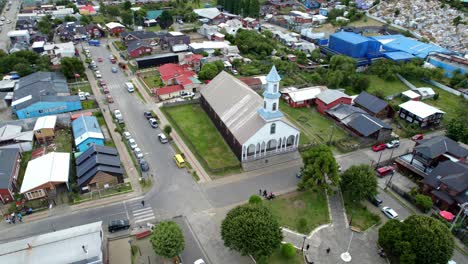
{"x": 9, "y": 15}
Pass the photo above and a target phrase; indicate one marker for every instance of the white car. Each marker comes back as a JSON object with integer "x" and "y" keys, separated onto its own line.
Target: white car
{"x": 127, "y": 135}
{"x": 132, "y": 143}
{"x": 235, "y": 72}
{"x": 199, "y": 261}
{"x": 1, "y": 23}
{"x": 2, "y": 18}
{"x": 98, "y": 74}
{"x": 393, "y": 144}
{"x": 389, "y": 212}
{"x": 138, "y": 153}
{"x": 8, "y": 21}
{"x": 118, "y": 114}
{"x": 185, "y": 94}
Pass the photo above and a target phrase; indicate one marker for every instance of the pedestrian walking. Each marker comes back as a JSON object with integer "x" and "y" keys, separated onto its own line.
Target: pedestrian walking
{"x": 328, "y": 250}
{"x": 264, "y": 193}
{"x": 307, "y": 247}
{"x": 13, "y": 220}
{"x": 7, "y": 219}
{"x": 260, "y": 192}
{"x": 20, "y": 217}
{"x": 142, "y": 202}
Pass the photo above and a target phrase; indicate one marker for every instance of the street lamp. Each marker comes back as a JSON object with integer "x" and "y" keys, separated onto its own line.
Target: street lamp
{"x": 345, "y": 256}
{"x": 303, "y": 242}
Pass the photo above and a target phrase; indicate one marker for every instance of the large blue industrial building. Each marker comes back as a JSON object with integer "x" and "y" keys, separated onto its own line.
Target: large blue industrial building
{"x": 41, "y": 94}
{"x": 408, "y": 45}
{"x": 87, "y": 132}
{"x": 353, "y": 45}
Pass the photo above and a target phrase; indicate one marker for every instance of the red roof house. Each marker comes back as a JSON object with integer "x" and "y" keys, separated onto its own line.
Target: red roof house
{"x": 193, "y": 60}
{"x": 87, "y": 10}
{"x": 138, "y": 48}
{"x": 115, "y": 28}
{"x": 172, "y": 73}
{"x": 329, "y": 98}
{"x": 168, "y": 92}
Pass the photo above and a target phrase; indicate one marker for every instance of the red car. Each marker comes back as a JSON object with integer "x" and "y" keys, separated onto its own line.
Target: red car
{"x": 379, "y": 147}
{"x": 384, "y": 171}
{"x": 105, "y": 89}
{"x": 102, "y": 83}
{"x": 417, "y": 137}
{"x": 100, "y": 59}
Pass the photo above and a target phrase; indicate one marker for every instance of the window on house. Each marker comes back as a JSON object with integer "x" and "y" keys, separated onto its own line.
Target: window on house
{"x": 275, "y": 88}
{"x": 264, "y": 105}
{"x": 273, "y": 128}
{"x": 274, "y": 106}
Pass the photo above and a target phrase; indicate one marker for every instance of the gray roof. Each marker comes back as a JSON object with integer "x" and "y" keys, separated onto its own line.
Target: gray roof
{"x": 329, "y": 96}
{"x": 236, "y": 105}
{"x": 42, "y": 86}
{"x": 453, "y": 174}
{"x": 7, "y": 164}
{"x": 135, "y": 44}
{"x": 96, "y": 159}
{"x": 357, "y": 119}
{"x": 372, "y": 103}
{"x": 141, "y": 34}
{"x": 439, "y": 145}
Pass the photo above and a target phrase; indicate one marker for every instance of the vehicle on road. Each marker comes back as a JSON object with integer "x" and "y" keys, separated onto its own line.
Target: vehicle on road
{"x": 199, "y": 261}
{"x": 112, "y": 59}
{"x": 417, "y": 137}
{"x": 162, "y": 138}
{"x": 109, "y": 98}
{"x": 389, "y": 212}
{"x": 235, "y": 72}
{"x": 117, "y": 225}
{"x": 393, "y": 144}
{"x": 385, "y": 170}
{"x": 185, "y": 94}
{"x": 127, "y": 135}
{"x": 118, "y": 116}
{"x": 94, "y": 42}
{"x": 379, "y": 147}
{"x": 148, "y": 114}
{"x": 83, "y": 96}
{"x": 98, "y": 74}
{"x": 129, "y": 86}
{"x": 132, "y": 143}
{"x": 2, "y": 18}
{"x": 375, "y": 200}
{"x": 144, "y": 165}
{"x": 179, "y": 160}
{"x": 138, "y": 153}
{"x": 8, "y": 21}
{"x": 100, "y": 59}
{"x": 105, "y": 89}
{"x": 153, "y": 122}
{"x": 102, "y": 82}
{"x": 114, "y": 69}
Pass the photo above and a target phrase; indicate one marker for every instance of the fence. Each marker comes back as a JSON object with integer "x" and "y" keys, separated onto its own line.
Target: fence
{"x": 189, "y": 143}
{"x": 102, "y": 193}
{"x": 406, "y": 82}
{"x": 184, "y": 102}
{"x": 446, "y": 88}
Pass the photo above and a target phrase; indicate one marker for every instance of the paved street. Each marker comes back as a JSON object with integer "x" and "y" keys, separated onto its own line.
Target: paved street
{"x": 9, "y": 15}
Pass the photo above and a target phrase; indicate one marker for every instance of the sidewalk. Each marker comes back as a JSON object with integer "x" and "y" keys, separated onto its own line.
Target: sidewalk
{"x": 204, "y": 176}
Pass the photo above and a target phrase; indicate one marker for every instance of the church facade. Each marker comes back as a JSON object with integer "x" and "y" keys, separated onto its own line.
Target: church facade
{"x": 253, "y": 126}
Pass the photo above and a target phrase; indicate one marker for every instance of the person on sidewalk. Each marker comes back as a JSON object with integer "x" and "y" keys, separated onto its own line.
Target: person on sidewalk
{"x": 20, "y": 217}
{"x": 143, "y": 203}
{"x": 260, "y": 192}
{"x": 264, "y": 193}
{"x": 328, "y": 250}
{"x": 7, "y": 219}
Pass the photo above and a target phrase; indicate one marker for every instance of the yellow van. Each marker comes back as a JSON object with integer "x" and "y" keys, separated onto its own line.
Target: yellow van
{"x": 179, "y": 160}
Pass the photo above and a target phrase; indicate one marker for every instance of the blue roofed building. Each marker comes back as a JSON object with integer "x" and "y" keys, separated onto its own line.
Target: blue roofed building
{"x": 398, "y": 56}
{"x": 353, "y": 45}
{"x": 449, "y": 63}
{"x": 42, "y": 94}
{"x": 153, "y": 14}
{"x": 408, "y": 45}
{"x": 87, "y": 132}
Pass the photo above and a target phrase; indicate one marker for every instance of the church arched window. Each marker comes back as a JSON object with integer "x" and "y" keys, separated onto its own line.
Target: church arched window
{"x": 274, "y": 106}
{"x": 273, "y": 128}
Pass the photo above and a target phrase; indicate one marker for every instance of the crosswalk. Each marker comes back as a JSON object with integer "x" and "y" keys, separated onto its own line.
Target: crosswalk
{"x": 140, "y": 213}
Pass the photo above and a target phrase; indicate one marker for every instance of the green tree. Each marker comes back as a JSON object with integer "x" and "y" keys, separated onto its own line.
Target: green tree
{"x": 167, "y": 239}
{"x": 456, "y": 21}
{"x": 420, "y": 238}
{"x": 335, "y": 78}
{"x": 167, "y": 129}
{"x": 58, "y": 21}
{"x": 457, "y": 127}
{"x": 320, "y": 168}
{"x": 166, "y": 20}
{"x": 255, "y": 199}
{"x": 245, "y": 8}
{"x": 45, "y": 25}
{"x": 359, "y": 82}
{"x": 343, "y": 63}
{"x": 69, "y": 18}
{"x": 113, "y": 10}
{"x": 254, "y": 10}
{"x": 251, "y": 229}
{"x": 424, "y": 202}
{"x": 23, "y": 69}
{"x": 127, "y": 17}
{"x": 70, "y": 66}
{"x": 85, "y": 20}
{"x": 359, "y": 182}
{"x": 209, "y": 70}
{"x": 217, "y": 52}
{"x": 127, "y": 5}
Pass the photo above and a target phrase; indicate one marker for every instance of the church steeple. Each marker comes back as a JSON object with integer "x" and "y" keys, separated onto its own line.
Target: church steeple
{"x": 271, "y": 95}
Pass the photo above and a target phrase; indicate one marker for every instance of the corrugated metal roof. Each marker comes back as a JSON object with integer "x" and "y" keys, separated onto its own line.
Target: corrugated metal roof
{"x": 85, "y": 127}
{"x": 370, "y": 102}
{"x": 45, "y": 122}
{"x": 7, "y": 164}
{"x": 329, "y": 96}
{"x": 350, "y": 37}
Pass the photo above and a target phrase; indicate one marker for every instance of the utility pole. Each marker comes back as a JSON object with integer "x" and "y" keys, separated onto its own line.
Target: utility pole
{"x": 462, "y": 208}
{"x": 378, "y": 162}
{"x": 331, "y": 135}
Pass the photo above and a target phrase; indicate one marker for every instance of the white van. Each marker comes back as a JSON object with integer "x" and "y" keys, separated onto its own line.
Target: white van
{"x": 129, "y": 87}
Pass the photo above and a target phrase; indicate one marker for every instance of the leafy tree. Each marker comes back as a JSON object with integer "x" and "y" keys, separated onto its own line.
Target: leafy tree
{"x": 113, "y": 10}
{"x": 166, "y": 20}
{"x": 127, "y": 17}
{"x": 335, "y": 78}
{"x": 424, "y": 202}
{"x": 85, "y": 20}
{"x": 254, "y": 10}
{"x": 359, "y": 182}
{"x": 167, "y": 239}
{"x": 69, "y": 18}
{"x": 255, "y": 199}
{"x": 70, "y": 66}
{"x": 245, "y": 8}
{"x": 456, "y": 21}
{"x": 23, "y": 69}
{"x": 457, "y": 127}
{"x": 359, "y": 82}
{"x": 45, "y": 25}
{"x": 251, "y": 229}
{"x": 167, "y": 129}
{"x": 210, "y": 70}
{"x": 320, "y": 168}
{"x": 288, "y": 250}
{"x": 127, "y": 5}
{"x": 58, "y": 21}
{"x": 419, "y": 237}
{"x": 343, "y": 63}
{"x": 217, "y": 52}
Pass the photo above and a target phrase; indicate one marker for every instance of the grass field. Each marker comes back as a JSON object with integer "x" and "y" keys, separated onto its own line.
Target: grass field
{"x": 86, "y": 88}
{"x": 26, "y": 157}
{"x": 153, "y": 81}
{"x": 359, "y": 216}
{"x": 309, "y": 205}
{"x": 388, "y": 88}
{"x": 278, "y": 258}
{"x": 202, "y": 135}
{"x": 63, "y": 141}
{"x": 314, "y": 127}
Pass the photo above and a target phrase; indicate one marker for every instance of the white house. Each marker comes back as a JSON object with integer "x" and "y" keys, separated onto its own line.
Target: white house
{"x": 253, "y": 126}
{"x": 61, "y": 50}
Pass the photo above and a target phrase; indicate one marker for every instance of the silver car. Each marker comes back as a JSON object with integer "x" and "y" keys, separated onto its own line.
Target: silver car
{"x": 132, "y": 143}
{"x": 138, "y": 153}
{"x": 389, "y": 212}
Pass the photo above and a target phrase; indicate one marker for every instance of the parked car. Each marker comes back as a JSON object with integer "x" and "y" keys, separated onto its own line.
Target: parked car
{"x": 117, "y": 225}
{"x": 105, "y": 89}
{"x": 100, "y": 59}
{"x": 379, "y": 147}
{"x": 129, "y": 86}
{"x": 385, "y": 170}
{"x": 109, "y": 98}
{"x": 138, "y": 153}
{"x": 2, "y": 18}
{"x": 185, "y": 94}
{"x": 98, "y": 74}
{"x": 162, "y": 138}
{"x": 144, "y": 165}
{"x": 417, "y": 137}
{"x": 132, "y": 143}
{"x": 393, "y": 144}
{"x": 1, "y": 23}
{"x": 8, "y": 21}
{"x": 102, "y": 82}
{"x": 114, "y": 69}
{"x": 127, "y": 135}
{"x": 389, "y": 212}
{"x": 199, "y": 261}
{"x": 148, "y": 114}
{"x": 375, "y": 200}
{"x": 153, "y": 122}
{"x": 235, "y": 72}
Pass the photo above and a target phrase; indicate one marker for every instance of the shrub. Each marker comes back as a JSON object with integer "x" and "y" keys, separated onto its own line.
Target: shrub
{"x": 288, "y": 250}
{"x": 436, "y": 96}
{"x": 424, "y": 202}
{"x": 255, "y": 199}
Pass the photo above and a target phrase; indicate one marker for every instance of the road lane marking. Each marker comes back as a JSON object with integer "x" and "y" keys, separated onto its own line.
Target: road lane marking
{"x": 145, "y": 219}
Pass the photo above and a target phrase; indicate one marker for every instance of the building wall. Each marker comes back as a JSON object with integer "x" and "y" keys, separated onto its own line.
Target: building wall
{"x": 5, "y": 196}
{"x": 299, "y": 104}
{"x": 89, "y": 142}
{"x": 139, "y": 52}
{"x": 322, "y": 107}
{"x": 117, "y": 30}
{"x": 449, "y": 67}
{"x": 47, "y": 108}
{"x": 44, "y": 133}
{"x": 169, "y": 95}
{"x": 102, "y": 178}
{"x": 426, "y": 122}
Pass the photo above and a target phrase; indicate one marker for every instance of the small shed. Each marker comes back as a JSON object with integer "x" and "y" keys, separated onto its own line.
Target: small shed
{"x": 411, "y": 95}
{"x": 425, "y": 92}
{"x": 44, "y": 128}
